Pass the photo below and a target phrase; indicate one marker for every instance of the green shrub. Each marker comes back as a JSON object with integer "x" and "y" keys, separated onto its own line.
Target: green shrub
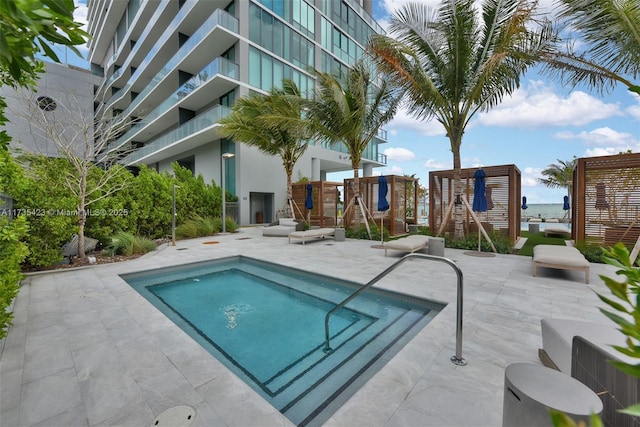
{"x": 593, "y": 253}
{"x": 124, "y": 243}
{"x": 231, "y": 225}
{"x": 12, "y": 252}
{"x": 199, "y": 227}
{"x": 500, "y": 241}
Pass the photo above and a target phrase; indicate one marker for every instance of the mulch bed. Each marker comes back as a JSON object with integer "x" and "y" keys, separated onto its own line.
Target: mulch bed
{"x": 80, "y": 262}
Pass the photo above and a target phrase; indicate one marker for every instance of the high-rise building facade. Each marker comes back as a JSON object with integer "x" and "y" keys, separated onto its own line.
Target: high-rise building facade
{"x": 177, "y": 66}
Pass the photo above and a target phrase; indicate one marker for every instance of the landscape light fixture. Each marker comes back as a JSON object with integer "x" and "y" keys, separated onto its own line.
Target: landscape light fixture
{"x": 225, "y": 156}
{"x": 173, "y": 217}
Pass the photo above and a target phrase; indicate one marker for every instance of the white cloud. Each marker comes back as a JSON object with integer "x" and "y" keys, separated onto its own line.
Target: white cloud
{"x": 537, "y": 105}
{"x": 81, "y": 11}
{"x": 394, "y": 170}
{"x": 601, "y": 151}
{"x": 529, "y": 177}
{"x": 403, "y": 121}
{"x": 437, "y": 165}
{"x": 634, "y": 111}
{"x": 602, "y": 136}
{"x": 399, "y": 154}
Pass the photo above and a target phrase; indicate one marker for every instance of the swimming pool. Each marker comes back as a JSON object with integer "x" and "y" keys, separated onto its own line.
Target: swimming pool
{"x": 265, "y": 322}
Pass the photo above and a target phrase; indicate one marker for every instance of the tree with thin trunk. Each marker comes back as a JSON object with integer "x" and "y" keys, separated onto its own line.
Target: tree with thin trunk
{"x": 457, "y": 60}
{"x": 560, "y": 175}
{"x": 608, "y": 33}
{"x": 81, "y": 138}
{"x": 351, "y": 110}
{"x": 272, "y": 124}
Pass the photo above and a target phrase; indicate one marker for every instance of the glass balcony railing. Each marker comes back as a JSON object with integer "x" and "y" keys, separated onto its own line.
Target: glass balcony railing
{"x": 197, "y": 124}
{"x": 108, "y": 82}
{"x": 219, "y": 18}
{"x": 219, "y": 66}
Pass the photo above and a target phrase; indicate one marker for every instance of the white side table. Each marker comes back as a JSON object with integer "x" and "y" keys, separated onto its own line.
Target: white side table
{"x": 530, "y": 390}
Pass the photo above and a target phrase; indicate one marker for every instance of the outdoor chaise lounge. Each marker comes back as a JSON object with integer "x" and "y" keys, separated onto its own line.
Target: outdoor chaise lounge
{"x": 410, "y": 244}
{"x": 560, "y": 257}
{"x": 584, "y": 350}
{"x": 282, "y": 229}
{"x": 556, "y": 230}
{"x": 314, "y": 233}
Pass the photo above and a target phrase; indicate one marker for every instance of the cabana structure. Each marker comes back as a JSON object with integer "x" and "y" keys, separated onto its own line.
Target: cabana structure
{"x": 606, "y": 199}
{"x": 325, "y": 197}
{"x": 402, "y": 198}
{"x": 502, "y": 190}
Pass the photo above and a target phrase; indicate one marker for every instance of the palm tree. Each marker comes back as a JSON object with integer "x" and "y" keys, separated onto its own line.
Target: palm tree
{"x": 271, "y": 124}
{"x": 351, "y": 111}
{"x": 454, "y": 61}
{"x": 560, "y": 175}
{"x": 610, "y": 32}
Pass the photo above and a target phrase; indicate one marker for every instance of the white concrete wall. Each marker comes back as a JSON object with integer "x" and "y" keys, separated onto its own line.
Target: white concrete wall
{"x": 70, "y": 88}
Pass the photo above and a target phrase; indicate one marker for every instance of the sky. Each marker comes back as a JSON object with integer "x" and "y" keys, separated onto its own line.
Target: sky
{"x": 540, "y": 123}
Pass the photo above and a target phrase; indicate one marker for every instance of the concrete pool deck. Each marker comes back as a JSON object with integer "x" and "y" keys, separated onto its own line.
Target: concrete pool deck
{"x": 85, "y": 349}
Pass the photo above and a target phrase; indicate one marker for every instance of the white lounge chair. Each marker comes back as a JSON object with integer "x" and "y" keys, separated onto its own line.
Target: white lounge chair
{"x": 316, "y": 233}
{"x": 560, "y": 257}
{"x": 412, "y": 243}
{"x": 556, "y": 230}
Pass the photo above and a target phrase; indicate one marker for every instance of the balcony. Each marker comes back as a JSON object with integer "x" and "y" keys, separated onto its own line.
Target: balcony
{"x": 213, "y": 81}
{"x": 216, "y": 35}
{"x": 194, "y": 133}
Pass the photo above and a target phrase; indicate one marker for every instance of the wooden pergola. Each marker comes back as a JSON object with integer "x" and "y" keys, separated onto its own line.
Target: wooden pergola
{"x": 402, "y": 198}
{"x": 606, "y": 200}
{"x": 325, "y": 197}
{"x": 503, "y": 197}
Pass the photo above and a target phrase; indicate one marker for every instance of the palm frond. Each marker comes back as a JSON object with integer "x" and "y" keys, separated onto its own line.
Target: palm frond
{"x": 611, "y": 30}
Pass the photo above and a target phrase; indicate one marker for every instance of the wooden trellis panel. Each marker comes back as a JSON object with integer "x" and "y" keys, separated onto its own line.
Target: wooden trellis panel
{"x": 606, "y": 199}
{"x": 503, "y": 198}
{"x": 325, "y": 196}
{"x": 402, "y": 198}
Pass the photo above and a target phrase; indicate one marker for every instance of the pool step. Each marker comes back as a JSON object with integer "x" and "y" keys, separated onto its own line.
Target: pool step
{"x": 346, "y": 361}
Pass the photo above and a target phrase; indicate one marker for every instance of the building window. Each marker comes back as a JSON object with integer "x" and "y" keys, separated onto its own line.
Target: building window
{"x": 46, "y": 104}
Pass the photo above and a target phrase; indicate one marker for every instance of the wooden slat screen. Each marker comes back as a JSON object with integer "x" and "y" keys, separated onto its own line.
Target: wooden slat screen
{"x": 503, "y": 197}
{"x": 606, "y": 202}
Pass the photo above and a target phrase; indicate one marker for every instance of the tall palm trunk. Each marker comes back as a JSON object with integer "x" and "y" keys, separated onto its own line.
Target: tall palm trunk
{"x": 455, "y": 138}
{"x": 356, "y": 198}
{"x": 291, "y": 214}
{"x": 458, "y": 208}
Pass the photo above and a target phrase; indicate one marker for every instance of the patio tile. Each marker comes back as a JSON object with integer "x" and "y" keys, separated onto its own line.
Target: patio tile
{"x": 114, "y": 359}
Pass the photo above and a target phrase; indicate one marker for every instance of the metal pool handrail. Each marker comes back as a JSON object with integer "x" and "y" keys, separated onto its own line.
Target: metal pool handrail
{"x": 457, "y": 358}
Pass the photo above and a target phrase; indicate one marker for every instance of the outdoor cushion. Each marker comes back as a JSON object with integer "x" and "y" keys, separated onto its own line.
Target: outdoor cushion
{"x": 410, "y": 244}
{"x": 556, "y": 229}
{"x": 557, "y": 339}
{"x": 314, "y": 233}
{"x": 560, "y": 257}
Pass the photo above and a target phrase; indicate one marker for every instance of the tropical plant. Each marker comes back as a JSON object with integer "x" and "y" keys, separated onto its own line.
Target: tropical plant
{"x": 609, "y": 40}
{"x": 457, "y": 60}
{"x": 30, "y": 27}
{"x": 559, "y": 175}
{"x": 271, "y": 123}
{"x": 83, "y": 140}
{"x": 351, "y": 110}
{"x": 12, "y": 252}
{"x": 123, "y": 243}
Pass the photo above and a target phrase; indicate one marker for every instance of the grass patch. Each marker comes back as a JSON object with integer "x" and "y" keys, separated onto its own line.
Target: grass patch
{"x": 539, "y": 238}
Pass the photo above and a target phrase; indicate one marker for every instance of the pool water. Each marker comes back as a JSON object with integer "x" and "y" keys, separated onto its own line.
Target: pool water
{"x": 266, "y": 323}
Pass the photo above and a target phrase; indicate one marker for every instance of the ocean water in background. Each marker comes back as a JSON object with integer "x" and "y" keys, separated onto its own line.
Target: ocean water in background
{"x": 543, "y": 211}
